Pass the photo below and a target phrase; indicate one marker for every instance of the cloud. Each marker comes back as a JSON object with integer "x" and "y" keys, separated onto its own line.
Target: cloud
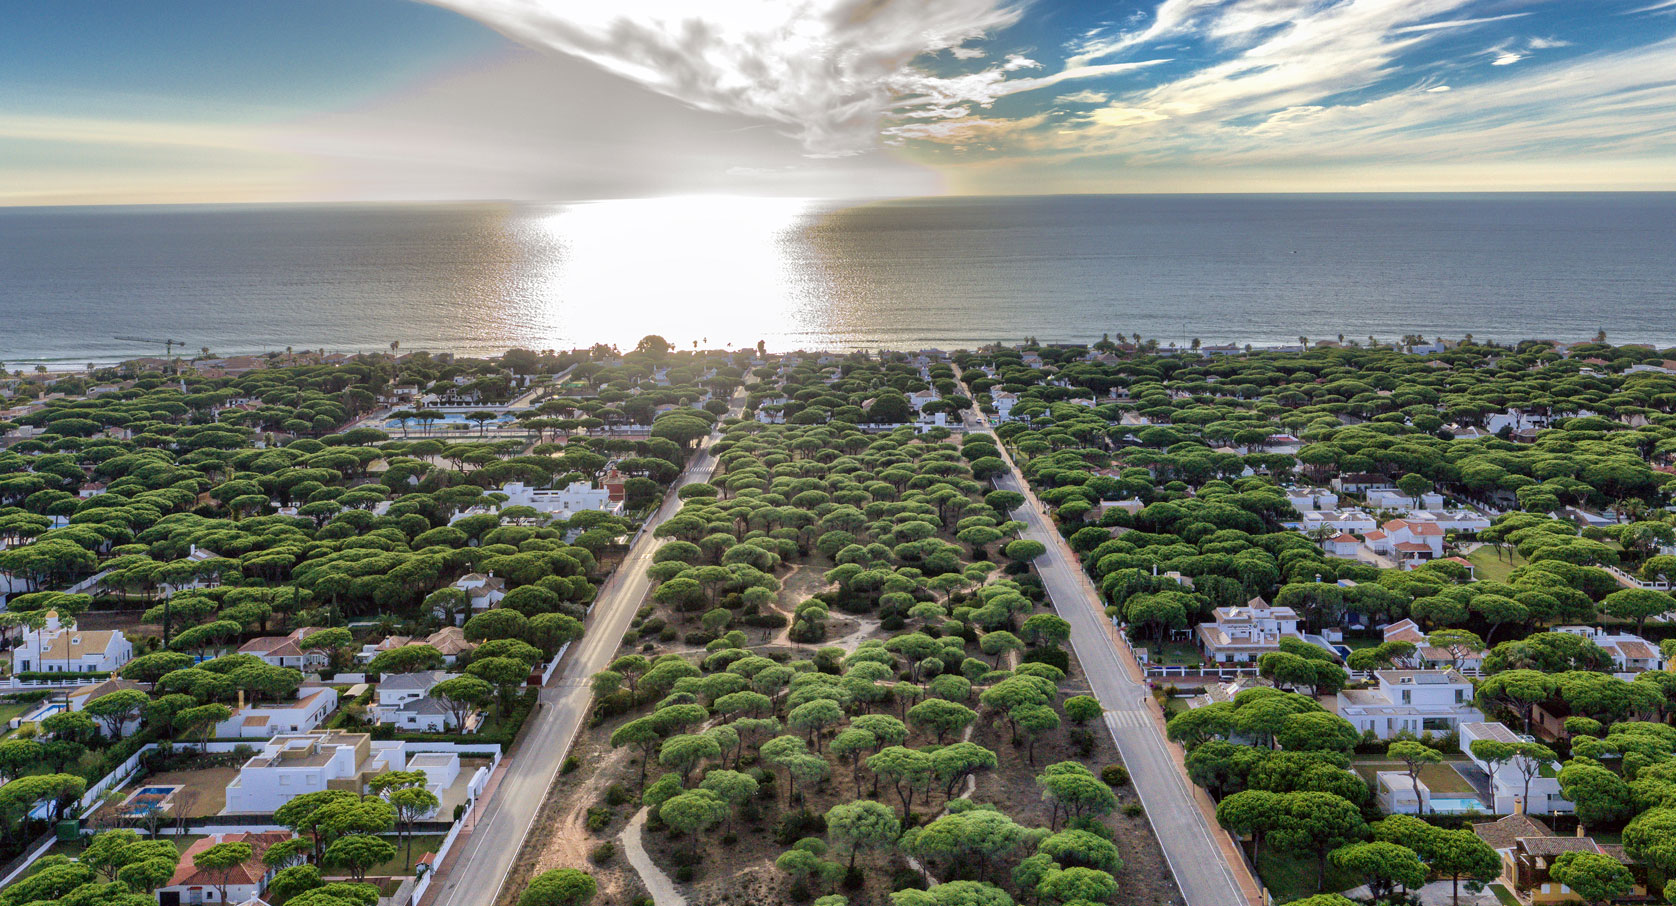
{"x": 1085, "y": 96}
{"x": 1118, "y": 117}
{"x": 1457, "y": 23}
{"x": 1665, "y": 6}
{"x": 1332, "y": 84}
{"x": 828, "y": 71}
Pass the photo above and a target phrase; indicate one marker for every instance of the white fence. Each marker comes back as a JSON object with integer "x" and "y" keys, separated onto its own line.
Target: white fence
{"x": 13, "y": 684}
{"x": 553, "y": 665}
{"x": 28, "y": 858}
{"x": 1627, "y": 579}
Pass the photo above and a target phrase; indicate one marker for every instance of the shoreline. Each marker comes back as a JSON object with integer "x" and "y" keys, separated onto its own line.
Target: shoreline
{"x": 71, "y": 365}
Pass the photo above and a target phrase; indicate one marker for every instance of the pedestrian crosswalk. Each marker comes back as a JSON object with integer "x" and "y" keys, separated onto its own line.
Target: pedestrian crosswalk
{"x": 1129, "y": 718}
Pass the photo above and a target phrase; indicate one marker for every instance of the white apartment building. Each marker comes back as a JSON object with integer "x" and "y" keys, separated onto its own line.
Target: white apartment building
{"x": 1418, "y": 701}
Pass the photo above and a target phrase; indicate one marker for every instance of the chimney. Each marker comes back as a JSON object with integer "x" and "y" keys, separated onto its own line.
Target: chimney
{"x": 1518, "y": 805}
{"x": 1580, "y": 829}
{"x": 241, "y": 699}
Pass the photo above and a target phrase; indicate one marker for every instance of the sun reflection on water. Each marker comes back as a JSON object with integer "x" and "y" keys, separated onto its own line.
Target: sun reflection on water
{"x": 718, "y": 270}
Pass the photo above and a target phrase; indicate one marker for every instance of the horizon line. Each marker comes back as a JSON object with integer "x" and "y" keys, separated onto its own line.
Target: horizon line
{"x": 843, "y": 199}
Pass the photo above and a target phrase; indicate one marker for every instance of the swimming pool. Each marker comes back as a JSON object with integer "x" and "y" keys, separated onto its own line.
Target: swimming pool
{"x": 1455, "y": 805}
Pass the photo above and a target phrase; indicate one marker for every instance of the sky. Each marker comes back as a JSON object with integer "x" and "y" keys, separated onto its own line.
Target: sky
{"x": 202, "y": 101}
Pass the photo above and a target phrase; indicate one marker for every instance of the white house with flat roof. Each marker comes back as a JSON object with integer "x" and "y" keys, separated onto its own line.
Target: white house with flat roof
{"x": 1239, "y": 635}
{"x": 56, "y": 648}
{"x": 562, "y": 502}
{"x": 292, "y": 764}
{"x": 310, "y": 709}
{"x": 1416, "y": 701}
{"x": 1521, "y": 785}
{"x": 1308, "y": 500}
{"x": 1336, "y": 521}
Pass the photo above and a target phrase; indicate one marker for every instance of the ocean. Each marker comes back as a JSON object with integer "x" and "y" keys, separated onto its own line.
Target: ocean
{"x": 793, "y": 273}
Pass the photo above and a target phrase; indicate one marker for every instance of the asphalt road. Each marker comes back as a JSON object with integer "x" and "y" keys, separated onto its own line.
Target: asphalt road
{"x": 1201, "y": 872}
{"x": 476, "y": 876}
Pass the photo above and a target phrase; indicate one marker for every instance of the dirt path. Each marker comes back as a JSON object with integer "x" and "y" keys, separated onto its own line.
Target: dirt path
{"x": 657, "y": 883}
{"x": 971, "y": 787}
{"x": 569, "y": 838}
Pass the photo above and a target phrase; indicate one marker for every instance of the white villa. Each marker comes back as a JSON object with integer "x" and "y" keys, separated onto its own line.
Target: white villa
{"x": 404, "y": 699}
{"x": 244, "y": 883}
{"x": 563, "y": 502}
{"x": 311, "y": 708}
{"x": 1409, "y": 543}
{"x": 485, "y": 591}
{"x": 1343, "y": 545}
{"x": 1508, "y": 779}
{"x": 1240, "y": 635}
{"x": 1392, "y": 499}
{"x": 55, "y": 648}
{"x": 1004, "y": 403}
{"x": 1418, "y": 701}
{"x": 1308, "y": 500}
{"x": 1630, "y": 652}
{"x": 1338, "y": 521}
{"x": 288, "y": 650}
{"x": 292, "y": 764}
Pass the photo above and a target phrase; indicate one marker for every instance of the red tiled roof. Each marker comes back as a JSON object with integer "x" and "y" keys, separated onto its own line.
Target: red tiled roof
{"x": 251, "y": 872}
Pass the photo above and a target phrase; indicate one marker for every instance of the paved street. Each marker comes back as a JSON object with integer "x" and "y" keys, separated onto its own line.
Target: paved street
{"x": 1199, "y": 861}
{"x": 486, "y": 857}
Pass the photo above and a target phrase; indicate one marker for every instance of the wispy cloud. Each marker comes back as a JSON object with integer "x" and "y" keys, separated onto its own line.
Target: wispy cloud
{"x": 1085, "y": 96}
{"x": 1346, "y": 84}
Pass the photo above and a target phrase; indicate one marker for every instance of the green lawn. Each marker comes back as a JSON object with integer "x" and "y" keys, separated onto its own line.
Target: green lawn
{"x": 1291, "y": 878}
{"x": 1491, "y": 568}
{"x": 1173, "y": 654}
{"x": 9, "y": 710}
{"x": 1503, "y": 895}
{"x": 422, "y": 843}
{"x": 1439, "y": 778}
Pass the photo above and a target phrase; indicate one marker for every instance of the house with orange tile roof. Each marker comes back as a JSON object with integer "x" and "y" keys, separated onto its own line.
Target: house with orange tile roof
{"x": 241, "y": 883}
{"x": 289, "y": 650}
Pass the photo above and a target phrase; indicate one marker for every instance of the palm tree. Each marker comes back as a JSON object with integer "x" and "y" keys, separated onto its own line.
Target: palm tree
{"x": 395, "y": 345}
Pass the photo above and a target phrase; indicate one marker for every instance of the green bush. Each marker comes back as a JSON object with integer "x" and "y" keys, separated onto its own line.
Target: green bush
{"x": 1115, "y": 775}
